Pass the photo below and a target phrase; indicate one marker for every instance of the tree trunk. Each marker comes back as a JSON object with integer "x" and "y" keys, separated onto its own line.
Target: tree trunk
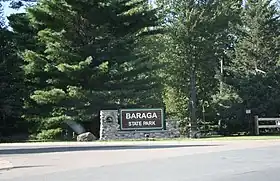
{"x": 193, "y": 120}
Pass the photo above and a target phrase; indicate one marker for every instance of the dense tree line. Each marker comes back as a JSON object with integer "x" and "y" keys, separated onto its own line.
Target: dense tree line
{"x": 204, "y": 61}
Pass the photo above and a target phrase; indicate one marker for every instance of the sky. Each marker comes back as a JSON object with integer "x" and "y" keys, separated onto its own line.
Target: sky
{"x": 8, "y": 11}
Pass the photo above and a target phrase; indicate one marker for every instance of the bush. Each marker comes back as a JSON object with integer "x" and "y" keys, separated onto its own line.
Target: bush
{"x": 50, "y": 134}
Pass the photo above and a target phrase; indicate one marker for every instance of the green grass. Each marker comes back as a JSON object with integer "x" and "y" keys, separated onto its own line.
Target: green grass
{"x": 216, "y": 138}
{"x": 228, "y": 138}
{"x": 213, "y": 138}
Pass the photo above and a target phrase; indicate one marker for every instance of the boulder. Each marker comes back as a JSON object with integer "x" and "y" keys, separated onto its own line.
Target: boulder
{"x": 87, "y": 136}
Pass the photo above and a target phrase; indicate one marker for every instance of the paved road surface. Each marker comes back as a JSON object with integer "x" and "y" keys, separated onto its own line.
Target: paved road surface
{"x": 154, "y": 161}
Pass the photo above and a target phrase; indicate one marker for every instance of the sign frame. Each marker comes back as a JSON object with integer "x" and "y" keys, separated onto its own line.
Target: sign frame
{"x": 163, "y": 126}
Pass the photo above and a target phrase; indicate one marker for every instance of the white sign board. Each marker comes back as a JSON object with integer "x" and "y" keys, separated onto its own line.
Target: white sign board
{"x": 248, "y": 111}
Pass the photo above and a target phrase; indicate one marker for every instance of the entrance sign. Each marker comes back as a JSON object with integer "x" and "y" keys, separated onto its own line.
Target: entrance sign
{"x": 141, "y": 119}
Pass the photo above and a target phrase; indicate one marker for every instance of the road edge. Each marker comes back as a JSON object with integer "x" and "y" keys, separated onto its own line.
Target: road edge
{"x": 5, "y": 165}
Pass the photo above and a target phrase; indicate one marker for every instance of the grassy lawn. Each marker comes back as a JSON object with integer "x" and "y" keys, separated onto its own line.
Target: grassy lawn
{"x": 213, "y": 138}
{"x": 217, "y": 138}
{"x": 228, "y": 138}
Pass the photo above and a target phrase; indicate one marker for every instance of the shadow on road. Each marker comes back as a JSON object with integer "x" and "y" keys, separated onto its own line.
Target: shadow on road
{"x": 91, "y": 148}
{"x": 29, "y": 166}
{"x": 22, "y": 167}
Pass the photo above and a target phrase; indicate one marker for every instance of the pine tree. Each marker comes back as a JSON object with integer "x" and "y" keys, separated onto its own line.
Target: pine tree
{"x": 24, "y": 37}
{"x": 92, "y": 59}
{"x": 197, "y": 35}
{"x": 11, "y": 82}
{"x": 255, "y": 68}
{"x": 258, "y": 48}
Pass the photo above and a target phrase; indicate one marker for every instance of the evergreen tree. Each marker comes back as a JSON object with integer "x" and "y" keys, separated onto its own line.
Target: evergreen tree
{"x": 11, "y": 82}
{"x": 255, "y": 68}
{"x": 92, "y": 60}
{"x": 25, "y": 38}
{"x": 198, "y": 36}
{"x": 24, "y": 33}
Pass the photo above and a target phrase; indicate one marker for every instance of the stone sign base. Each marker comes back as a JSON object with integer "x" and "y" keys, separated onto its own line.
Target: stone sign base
{"x": 110, "y": 129}
{"x": 146, "y": 134}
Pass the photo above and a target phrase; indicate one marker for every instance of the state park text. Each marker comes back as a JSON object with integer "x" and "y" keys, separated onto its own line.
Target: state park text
{"x": 141, "y": 119}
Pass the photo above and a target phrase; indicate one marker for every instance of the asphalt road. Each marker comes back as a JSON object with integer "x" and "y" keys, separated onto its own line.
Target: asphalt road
{"x": 174, "y": 161}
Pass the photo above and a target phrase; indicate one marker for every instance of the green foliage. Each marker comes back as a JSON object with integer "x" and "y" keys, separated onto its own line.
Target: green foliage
{"x": 87, "y": 64}
{"x": 67, "y": 60}
{"x": 197, "y": 35}
{"x": 175, "y": 103}
{"x": 48, "y": 97}
{"x": 50, "y": 134}
{"x": 254, "y": 70}
{"x": 11, "y": 77}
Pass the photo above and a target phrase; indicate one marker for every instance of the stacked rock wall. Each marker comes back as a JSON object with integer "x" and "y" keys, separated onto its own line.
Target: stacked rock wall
{"x": 110, "y": 128}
